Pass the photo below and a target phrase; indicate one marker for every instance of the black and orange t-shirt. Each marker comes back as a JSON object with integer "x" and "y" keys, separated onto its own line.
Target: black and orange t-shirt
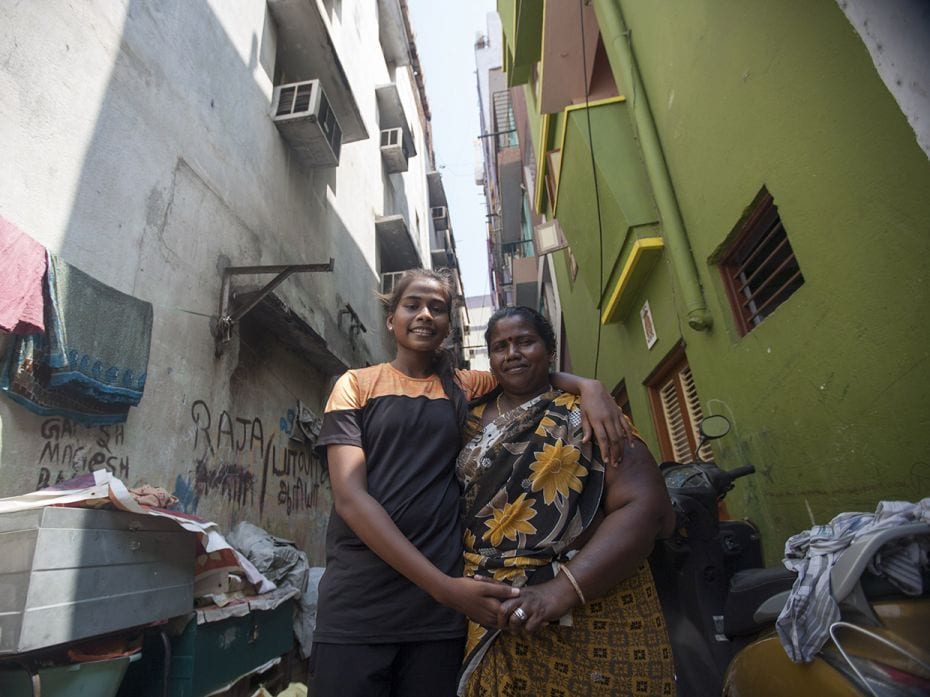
{"x": 407, "y": 429}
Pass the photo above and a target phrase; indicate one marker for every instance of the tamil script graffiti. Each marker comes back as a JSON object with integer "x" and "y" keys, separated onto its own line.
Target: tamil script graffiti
{"x": 69, "y": 449}
{"x": 234, "y": 458}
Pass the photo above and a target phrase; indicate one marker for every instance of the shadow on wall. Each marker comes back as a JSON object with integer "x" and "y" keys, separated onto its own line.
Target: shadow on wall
{"x": 185, "y": 173}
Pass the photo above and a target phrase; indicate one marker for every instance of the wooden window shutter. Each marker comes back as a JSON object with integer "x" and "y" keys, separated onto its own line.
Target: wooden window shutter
{"x": 676, "y": 409}
{"x": 674, "y": 420}
{"x": 695, "y": 413}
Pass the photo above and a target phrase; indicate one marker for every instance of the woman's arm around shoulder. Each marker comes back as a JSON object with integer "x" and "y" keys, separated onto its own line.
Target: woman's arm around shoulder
{"x": 600, "y": 415}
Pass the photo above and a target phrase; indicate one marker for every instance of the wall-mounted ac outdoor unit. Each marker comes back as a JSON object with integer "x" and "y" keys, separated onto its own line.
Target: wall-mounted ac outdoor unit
{"x": 306, "y": 120}
{"x": 440, "y": 217}
{"x": 392, "y": 150}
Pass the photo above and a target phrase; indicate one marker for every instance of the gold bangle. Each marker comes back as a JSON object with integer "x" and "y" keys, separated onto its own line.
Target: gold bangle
{"x": 571, "y": 579}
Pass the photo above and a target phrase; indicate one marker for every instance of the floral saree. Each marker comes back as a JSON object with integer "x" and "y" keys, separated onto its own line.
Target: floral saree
{"x": 530, "y": 489}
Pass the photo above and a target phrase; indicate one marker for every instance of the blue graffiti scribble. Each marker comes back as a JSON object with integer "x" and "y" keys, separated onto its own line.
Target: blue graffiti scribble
{"x": 287, "y": 422}
{"x": 187, "y": 498}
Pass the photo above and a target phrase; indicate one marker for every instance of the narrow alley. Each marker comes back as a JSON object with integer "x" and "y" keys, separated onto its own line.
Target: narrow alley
{"x": 665, "y": 261}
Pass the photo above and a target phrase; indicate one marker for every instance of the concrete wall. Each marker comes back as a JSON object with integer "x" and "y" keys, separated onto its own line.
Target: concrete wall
{"x": 827, "y": 395}
{"x": 897, "y": 36}
{"x": 139, "y": 147}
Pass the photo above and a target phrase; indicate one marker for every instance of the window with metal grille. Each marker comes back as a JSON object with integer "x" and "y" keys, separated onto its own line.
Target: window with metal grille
{"x": 676, "y": 409}
{"x": 760, "y": 270}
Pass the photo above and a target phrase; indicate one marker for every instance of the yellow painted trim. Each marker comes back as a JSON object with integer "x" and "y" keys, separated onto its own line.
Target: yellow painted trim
{"x": 575, "y": 107}
{"x": 541, "y": 164}
{"x": 640, "y": 247}
{"x": 596, "y": 102}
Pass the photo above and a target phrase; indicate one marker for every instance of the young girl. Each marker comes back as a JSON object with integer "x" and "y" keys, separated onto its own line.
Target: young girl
{"x": 392, "y": 602}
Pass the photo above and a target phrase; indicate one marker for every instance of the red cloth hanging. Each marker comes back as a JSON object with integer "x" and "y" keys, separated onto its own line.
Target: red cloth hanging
{"x": 22, "y": 266}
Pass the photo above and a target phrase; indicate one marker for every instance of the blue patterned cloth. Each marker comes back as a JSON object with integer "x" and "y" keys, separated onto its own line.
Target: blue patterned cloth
{"x": 91, "y": 363}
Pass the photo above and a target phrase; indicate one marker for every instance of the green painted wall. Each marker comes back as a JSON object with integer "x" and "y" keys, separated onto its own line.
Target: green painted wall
{"x": 828, "y": 395}
{"x": 623, "y": 198}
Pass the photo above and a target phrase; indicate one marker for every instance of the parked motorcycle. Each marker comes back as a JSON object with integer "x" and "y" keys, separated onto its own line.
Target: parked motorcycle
{"x": 721, "y": 604}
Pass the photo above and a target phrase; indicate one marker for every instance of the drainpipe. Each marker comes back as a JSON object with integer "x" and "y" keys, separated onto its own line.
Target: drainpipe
{"x": 616, "y": 37}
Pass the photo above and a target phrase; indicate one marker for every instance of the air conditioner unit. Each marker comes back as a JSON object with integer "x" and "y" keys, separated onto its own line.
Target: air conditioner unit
{"x": 306, "y": 120}
{"x": 440, "y": 217}
{"x": 392, "y": 150}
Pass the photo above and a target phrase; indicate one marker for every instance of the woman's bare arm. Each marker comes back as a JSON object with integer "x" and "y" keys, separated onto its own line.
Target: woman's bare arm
{"x": 637, "y": 511}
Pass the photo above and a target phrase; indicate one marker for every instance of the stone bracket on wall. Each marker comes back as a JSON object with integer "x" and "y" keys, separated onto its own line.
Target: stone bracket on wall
{"x": 231, "y": 311}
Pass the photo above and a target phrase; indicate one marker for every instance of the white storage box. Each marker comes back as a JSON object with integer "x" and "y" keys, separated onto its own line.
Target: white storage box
{"x": 72, "y": 573}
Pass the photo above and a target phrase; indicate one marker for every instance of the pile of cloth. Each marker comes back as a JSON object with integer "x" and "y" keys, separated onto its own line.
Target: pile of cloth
{"x": 80, "y": 348}
{"x": 804, "y": 623}
{"x": 282, "y": 562}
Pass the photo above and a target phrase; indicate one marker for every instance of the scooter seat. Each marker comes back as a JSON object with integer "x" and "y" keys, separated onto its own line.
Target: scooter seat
{"x": 756, "y": 597}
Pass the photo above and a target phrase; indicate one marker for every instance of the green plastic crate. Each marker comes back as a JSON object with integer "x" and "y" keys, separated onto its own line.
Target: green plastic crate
{"x": 88, "y": 679}
{"x": 206, "y": 657}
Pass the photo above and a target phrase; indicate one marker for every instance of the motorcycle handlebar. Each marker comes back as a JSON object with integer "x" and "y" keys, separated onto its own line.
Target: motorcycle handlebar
{"x": 740, "y": 472}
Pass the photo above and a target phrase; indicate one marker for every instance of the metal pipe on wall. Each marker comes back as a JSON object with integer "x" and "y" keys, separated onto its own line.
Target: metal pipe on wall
{"x": 616, "y": 37}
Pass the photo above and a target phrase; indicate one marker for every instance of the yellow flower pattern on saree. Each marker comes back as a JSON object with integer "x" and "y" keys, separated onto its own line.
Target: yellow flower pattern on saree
{"x": 569, "y": 401}
{"x": 544, "y": 423}
{"x": 475, "y": 634}
{"x": 530, "y": 488}
{"x": 557, "y": 469}
{"x": 510, "y": 520}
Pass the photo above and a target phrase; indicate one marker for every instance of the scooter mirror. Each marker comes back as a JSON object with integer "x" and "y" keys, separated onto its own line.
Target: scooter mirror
{"x": 716, "y": 426}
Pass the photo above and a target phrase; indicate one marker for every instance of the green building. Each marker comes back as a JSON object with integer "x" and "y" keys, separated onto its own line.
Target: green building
{"x": 755, "y": 241}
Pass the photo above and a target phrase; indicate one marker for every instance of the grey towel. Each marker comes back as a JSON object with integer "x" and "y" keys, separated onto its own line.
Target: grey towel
{"x": 90, "y": 365}
{"x": 98, "y": 337}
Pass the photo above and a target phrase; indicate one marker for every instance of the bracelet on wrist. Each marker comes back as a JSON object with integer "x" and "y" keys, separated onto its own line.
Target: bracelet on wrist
{"x": 571, "y": 579}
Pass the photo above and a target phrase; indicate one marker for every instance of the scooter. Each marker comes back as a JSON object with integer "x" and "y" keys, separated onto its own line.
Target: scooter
{"x": 720, "y": 604}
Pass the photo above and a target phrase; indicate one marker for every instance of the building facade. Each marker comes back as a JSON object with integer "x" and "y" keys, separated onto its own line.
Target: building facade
{"x": 740, "y": 195}
{"x": 155, "y": 146}
{"x": 475, "y": 348}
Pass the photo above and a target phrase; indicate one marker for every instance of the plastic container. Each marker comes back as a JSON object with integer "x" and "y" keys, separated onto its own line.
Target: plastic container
{"x": 88, "y": 679}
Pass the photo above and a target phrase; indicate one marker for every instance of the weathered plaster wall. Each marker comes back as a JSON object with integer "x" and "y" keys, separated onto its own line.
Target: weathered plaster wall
{"x": 139, "y": 147}
{"x": 827, "y": 396}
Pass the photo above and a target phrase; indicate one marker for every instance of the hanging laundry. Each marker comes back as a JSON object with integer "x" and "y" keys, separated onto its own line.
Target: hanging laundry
{"x": 98, "y": 337}
{"x": 91, "y": 362}
{"x": 24, "y": 378}
{"x": 22, "y": 267}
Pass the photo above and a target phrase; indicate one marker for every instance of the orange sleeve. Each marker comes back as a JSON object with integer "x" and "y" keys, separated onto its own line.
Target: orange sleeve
{"x": 475, "y": 383}
{"x": 345, "y": 394}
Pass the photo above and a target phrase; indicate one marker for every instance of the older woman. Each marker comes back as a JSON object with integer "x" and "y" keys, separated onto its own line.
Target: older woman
{"x": 543, "y": 513}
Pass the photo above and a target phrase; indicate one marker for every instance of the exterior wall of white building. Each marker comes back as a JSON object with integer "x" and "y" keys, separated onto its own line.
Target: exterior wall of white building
{"x": 480, "y": 309}
{"x": 139, "y": 147}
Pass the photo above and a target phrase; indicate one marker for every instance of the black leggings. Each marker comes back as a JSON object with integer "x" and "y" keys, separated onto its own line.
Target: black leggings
{"x": 407, "y": 669}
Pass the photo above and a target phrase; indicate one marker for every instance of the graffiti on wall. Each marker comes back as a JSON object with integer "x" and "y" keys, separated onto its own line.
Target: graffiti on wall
{"x": 238, "y": 459}
{"x": 70, "y": 449}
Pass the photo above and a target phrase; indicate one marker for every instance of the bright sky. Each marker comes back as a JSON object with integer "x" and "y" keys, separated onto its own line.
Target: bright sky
{"x": 445, "y": 36}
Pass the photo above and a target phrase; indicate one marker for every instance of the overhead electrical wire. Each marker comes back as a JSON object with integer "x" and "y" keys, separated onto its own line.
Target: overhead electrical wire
{"x": 597, "y": 197}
